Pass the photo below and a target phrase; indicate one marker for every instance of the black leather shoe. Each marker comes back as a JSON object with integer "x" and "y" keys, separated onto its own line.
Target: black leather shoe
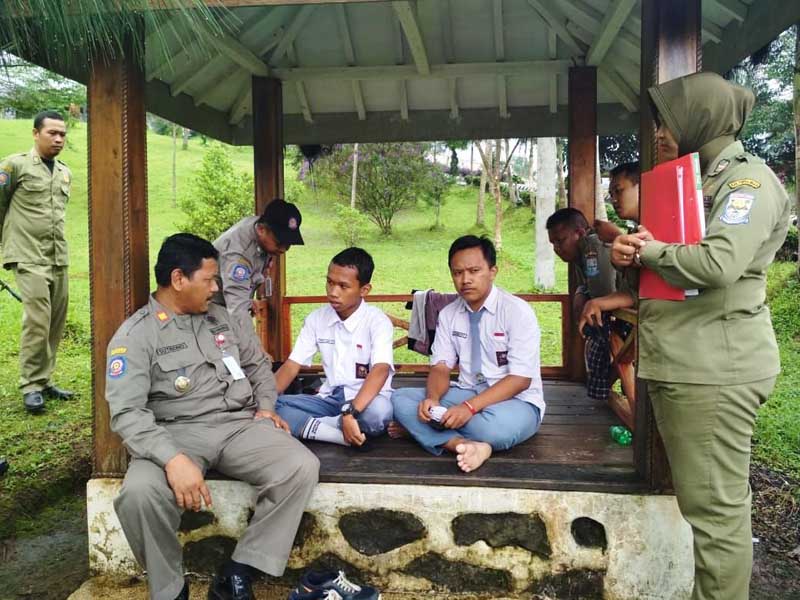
{"x": 34, "y": 402}
{"x": 232, "y": 587}
{"x": 184, "y": 595}
{"x": 57, "y": 393}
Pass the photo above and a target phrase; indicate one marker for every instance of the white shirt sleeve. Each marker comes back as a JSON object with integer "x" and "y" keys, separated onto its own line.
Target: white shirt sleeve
{"x": 381, "y": 333}
{"x": 523, "y": 342}
{"x": 444, "y": 349}
{"x": 305, "y": 347}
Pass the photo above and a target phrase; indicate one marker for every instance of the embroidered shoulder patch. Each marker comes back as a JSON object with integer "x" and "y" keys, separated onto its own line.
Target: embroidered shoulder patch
{"x": 741, "y": 182}
{"x": 240, "y": 272}
{"x": 117, "y": 367}
{"x": 118, "y": 350}
{"x": 4, "y": 178}
{"x": 737, "y": 208}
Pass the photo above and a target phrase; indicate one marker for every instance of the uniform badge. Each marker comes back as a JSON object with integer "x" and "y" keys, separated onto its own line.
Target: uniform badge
{"x": 592, "y": 265}
{"x": 182, "y": 383}
{"x": 740, "y": 182}
{"x": 240, "y": 272}
{"x": 118, "y": 350}
{"x": 721, "y": 166}
{"x": 66, "y": 178}
{"x": 117, "y": 367}
{"x": 219, "y": 340}
{"x": 292, "y": 223}
{"x": 362, "y": 370}
{"x": 162, "y": 316}
{"x": 502, "y": 358}
{"x": 4, "y": 177}
{"x": 737, "y": 208}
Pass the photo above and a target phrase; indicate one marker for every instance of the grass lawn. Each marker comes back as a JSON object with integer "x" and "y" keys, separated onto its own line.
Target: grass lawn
{"x": 47, "y": 451}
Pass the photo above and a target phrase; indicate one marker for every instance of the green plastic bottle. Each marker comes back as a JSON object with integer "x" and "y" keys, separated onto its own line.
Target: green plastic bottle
{"x": 621, "y": 435}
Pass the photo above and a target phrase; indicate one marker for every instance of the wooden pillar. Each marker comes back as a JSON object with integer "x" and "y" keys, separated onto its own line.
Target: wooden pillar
{"x": 118, "y": 250}
{"x": 268, "y": 173}
{"x": 671, "y": 47}
{"x": 582, "y": 184}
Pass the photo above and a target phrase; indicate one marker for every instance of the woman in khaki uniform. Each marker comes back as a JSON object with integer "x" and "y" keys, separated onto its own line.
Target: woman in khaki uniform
{"x": 711, "y": 360}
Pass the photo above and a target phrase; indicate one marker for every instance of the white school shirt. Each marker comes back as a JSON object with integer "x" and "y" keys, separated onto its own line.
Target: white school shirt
{"x": 349, "y": 348}
{"x": 510, "y": 338}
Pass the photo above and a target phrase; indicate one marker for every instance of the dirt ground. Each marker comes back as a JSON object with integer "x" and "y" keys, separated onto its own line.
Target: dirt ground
{"x": 51, "y": 565}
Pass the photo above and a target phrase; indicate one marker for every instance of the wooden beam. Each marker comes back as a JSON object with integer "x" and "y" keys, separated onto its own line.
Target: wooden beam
{"x": 268, "y": 176}
{"x": 173, "y": 4}
{"x": 448, "y": 42}
{"x": 610, "y": 79}
{"x": 500, "y": 55}
{"x": 452, "y": 92}
{"x": 118, "y": 250}
{"x": 522, "y": 68}
{"x": 242, "y": 105}
{"x": 241, "y": 55}
{"x": 502, "y": 96}
{"x": 292, "y": 32}
{"x": 609, "y": 28}
{"x": 586, "y": 17}
{"x": 623, "y": 63}
{"x": 552, "y": 51}
{"x": 735, "y": 9}
{"x": 350, "y": 56}
{"x": 300, "y": 87}
{"x": 185, "y": 79}
{"x": 557, "y": 22}
{"x": 408, "y": 19}
{"x": 582, "y": 155}
{"x": 403, "y": 101}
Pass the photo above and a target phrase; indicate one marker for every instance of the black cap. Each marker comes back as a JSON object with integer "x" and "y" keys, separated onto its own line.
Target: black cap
{"x": 284, "y": 220}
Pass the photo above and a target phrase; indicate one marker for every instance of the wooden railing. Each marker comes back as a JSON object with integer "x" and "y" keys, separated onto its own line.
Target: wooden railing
{"x": 548, "y": 371}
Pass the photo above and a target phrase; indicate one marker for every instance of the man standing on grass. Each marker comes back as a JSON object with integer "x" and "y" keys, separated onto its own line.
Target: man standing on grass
{"x": 34, "y": 191}
{"x": 493, "y": 337}
{"x": 245, "y": 254}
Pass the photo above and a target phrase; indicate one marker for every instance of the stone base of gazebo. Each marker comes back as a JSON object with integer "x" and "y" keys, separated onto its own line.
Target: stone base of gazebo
{"x": 457, "y": 541}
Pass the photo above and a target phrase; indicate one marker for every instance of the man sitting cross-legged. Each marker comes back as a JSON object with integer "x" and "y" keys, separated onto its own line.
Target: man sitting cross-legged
{"x": 493, "y": 337}
{"x": 355, "y": 341}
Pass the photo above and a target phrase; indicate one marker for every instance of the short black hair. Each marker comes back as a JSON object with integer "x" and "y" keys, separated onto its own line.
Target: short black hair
{"x": 571, "y": 217}
{"x": 629, "y": 170}
{"x": 466, "y": 242}
{"x": 184, "y": 251}
{"x": 38, "y": 120}
{"x": 359, "y": 259}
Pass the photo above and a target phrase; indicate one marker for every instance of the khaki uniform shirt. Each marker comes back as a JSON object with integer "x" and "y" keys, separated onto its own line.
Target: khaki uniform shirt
{"x": 724, "y": 335}
{"x": 595, "y": 274}
{"x": 242, "y": 268}
{"x": 33, "y": 203}
{"x": 163, "y": 368}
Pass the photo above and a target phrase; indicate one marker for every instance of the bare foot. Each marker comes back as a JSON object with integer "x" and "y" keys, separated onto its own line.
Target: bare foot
{"x": 472, "y": 455}
{"x": 396, "y": 431}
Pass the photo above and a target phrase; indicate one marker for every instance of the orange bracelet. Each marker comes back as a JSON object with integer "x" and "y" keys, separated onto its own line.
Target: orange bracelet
{"x": 470, "y": 407}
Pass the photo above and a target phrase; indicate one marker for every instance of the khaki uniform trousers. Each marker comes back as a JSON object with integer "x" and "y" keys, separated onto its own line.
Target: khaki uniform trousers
{"x": 45, "y": 297}
{"x": 707, "y": 430}
{"x": 282, "y": 471}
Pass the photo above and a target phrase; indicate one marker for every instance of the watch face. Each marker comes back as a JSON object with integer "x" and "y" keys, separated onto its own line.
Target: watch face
{"x": 347, "y": 408}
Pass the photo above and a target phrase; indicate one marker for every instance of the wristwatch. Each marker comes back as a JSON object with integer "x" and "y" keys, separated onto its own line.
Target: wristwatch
{"x": 349, "y": 409}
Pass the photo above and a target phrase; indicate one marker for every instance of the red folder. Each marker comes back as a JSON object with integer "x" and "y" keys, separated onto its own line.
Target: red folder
{"x": 672, "y": 210}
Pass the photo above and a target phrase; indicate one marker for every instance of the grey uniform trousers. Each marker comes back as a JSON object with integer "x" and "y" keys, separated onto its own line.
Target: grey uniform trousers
{"x": 282, "y": 471}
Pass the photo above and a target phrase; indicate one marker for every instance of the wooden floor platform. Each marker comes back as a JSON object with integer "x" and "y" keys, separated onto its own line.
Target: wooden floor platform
{"x": 571, "y": 451}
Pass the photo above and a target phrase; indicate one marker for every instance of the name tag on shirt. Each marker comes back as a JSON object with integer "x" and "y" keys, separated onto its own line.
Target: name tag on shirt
{"x": 233, "y": 367}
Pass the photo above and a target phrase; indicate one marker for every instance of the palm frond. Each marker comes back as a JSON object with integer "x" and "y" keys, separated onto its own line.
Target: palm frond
{"x": 65, "y": 35}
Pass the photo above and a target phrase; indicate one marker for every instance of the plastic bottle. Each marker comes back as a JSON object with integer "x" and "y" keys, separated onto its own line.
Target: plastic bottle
{"x": 621, "y": 435}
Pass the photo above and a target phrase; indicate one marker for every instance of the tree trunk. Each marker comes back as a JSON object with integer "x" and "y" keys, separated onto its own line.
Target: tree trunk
{"x": 480, "y": 219}
{"x": 498, "y": 197}
{"x": 600, "y": 212}
{"x": 471, "y": 156}
{"x": 355, "y": 175}
{"x": 562, "y": 189}
{"x": 532, "y": 175}
{"x": 174, "y": 165}
{"x": 797, "y": 128}
{"x": 513, "y": 193}
{"x": 185, "y": 145}
{"x": 547, "y": 179}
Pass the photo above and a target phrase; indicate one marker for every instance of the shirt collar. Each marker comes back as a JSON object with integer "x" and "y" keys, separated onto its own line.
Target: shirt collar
{"x": 351, "y": 322}
{"x": 490, "y": 304}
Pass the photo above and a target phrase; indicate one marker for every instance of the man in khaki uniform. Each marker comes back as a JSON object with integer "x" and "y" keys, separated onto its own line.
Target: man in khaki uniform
{"x": 245, "y": 255}
{"x": 711, "y": 360}
{"x": 189, "y": 391}
{"x": 34, "y": 191}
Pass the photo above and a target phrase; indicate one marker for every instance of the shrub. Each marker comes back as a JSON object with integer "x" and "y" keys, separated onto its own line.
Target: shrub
{"x": 788, "y": 251}
{"x": 219, "y": 195}
{"x": 350, "y": 225}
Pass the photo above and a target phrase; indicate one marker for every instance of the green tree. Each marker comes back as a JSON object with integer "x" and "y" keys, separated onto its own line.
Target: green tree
{"x": 435, "y": 187}
{"x": 219, "y": 196}
{"x": 350, "y": 224}
{"x": 390, "y": 178}
{"x": 29, "y": 89}
{"x": 454, "y": 146}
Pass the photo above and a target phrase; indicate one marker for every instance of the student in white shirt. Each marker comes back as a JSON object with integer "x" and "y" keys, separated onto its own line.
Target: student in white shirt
{"x": 355, "y": 341}
{"x": 497, "y": 401}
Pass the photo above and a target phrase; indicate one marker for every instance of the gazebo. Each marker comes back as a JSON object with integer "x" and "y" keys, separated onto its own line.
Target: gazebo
{"x": 292, "y": 72}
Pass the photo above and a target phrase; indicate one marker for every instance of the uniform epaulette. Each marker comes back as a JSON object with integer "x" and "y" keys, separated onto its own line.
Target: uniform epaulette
{"x": 134, "y": 320}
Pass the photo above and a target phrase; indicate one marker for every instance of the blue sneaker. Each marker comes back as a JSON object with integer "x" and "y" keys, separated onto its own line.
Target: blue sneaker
{"x": 336, "y": 581}
{"x": 315, "y": 595}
